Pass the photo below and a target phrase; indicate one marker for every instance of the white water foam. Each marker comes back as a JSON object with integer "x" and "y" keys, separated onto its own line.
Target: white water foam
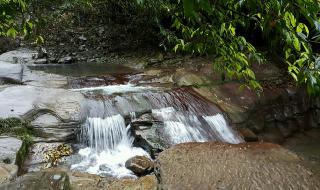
{"x": 186, "y": 127}
{"x": 110, "y": 146}
{"x": 224, "y": 132}
{"x": 180, "y": 133}
{"x": 112, "y": 89}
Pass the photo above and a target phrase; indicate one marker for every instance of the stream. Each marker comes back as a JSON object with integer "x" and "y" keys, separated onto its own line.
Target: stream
{"x": 114, "y": 99}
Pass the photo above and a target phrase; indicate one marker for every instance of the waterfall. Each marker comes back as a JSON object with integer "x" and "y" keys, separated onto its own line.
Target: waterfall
{"x": 179, "y": 132}
{"x": 186, "y": 117}
{"x": 109, "y": 147}
{"x": 103, "y": 134}
{"x": 182, "y": 127}
{"x": 224, "y": 133}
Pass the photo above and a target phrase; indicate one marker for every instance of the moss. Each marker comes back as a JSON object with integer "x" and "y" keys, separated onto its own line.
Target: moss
{"x": 16, "y": 127}
{"x": 23, "y": 152}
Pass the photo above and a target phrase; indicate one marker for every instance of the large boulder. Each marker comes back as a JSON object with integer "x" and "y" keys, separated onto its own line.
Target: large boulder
{"x": 140, "y": 165}
{"x": 224, "y": 166}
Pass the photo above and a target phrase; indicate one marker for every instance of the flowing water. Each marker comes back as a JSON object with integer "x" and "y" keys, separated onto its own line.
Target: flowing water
{"x": 186, "y": 117}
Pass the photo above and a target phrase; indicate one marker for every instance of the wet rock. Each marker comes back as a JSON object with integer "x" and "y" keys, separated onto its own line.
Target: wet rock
{"x": 225, "y": 166}
{"x": 54, "y": 179}
{"x": 143, "y": 121}
{"x": 94, "y": 182}
{"x": 53, "y": 60}
{"x": 7, "y": 173}
{"x": 140, "y": 165}
{"x": 151, "y": 139}
{"x": 248, "y": 135}
{"x": 40, "y": 61}
{"x": 66, "y": 60}
{"x": 42, "y": 53}
{"x": 9, "y": 147}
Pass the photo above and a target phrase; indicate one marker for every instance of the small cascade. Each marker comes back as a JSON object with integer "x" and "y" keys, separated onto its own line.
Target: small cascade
{"x": 110, "y": 146}
{"x": 182, "y": 127}
{"x": 184, "y": 116}
{"x": 103, "y": 134}
{"x": 179, "y": 132}
{"x": 223, "y": 132}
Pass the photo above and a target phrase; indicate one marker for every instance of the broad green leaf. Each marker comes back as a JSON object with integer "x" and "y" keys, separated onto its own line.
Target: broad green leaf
{"x": 12, "y": 32}
{"x": 296, "y": 43}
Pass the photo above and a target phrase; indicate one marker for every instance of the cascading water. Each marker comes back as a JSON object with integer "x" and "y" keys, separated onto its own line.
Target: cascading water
{"x": 103, "y": 134}
{"x": 110, "y": 146}
{"x": 224, "y": 133}
{"x": 186, "y": 117}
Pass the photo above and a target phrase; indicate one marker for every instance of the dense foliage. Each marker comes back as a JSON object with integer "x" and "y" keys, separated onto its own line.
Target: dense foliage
{"x": 225, "y": 29}
{"x": 232, "y": 31}
{"x": 12, "y": 19}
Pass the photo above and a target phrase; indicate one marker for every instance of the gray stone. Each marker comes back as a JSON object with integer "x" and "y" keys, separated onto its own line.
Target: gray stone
{"x": 17, "y": 101}
{"x": 66, "y": 60}
{"x": 53, "y": 129}
{"x": 42, "y": 53}
{"x": 40, "y": 61}
{"x": 22, "y": 55}
{"x": 11, "y": 71}
{"x": 9, "y": 146}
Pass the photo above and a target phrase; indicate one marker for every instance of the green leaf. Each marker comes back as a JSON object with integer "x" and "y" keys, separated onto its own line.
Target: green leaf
{"x": 12, "y": 32}
{"x": 39, "y": 40}
{"x": 296, "y": 43}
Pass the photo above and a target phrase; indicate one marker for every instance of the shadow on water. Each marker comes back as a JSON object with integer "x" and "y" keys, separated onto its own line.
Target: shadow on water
{"x": 79, "y": 70}
{"x": 307, "y": 146}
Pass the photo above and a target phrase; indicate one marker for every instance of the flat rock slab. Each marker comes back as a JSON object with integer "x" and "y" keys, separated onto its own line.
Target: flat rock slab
{"x": 18, "y": 100}
{"x": 224, "y": 166}
{"x": 9, "y": 146}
